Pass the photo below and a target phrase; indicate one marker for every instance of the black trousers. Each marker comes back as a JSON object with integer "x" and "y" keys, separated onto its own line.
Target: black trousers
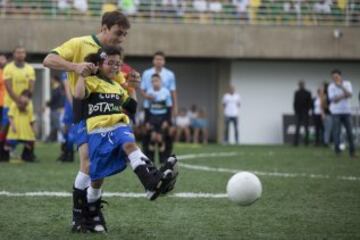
{"x": 319, "y": 129}
{"x": 302, "y": 120}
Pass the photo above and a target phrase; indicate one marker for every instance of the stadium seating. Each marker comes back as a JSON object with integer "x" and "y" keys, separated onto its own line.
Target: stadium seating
{"x": 269, "y": 12}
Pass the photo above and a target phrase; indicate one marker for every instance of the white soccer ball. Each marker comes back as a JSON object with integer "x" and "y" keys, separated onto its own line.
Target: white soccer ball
{"x": 244, "y": 188}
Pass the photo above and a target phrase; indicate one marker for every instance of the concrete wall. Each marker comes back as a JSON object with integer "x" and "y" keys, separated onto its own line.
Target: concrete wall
{"x": 267, "y": 89}
{"x": 193, "y": 40}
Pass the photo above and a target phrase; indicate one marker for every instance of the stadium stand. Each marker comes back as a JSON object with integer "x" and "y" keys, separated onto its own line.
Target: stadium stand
{"x": 268, "y": 12}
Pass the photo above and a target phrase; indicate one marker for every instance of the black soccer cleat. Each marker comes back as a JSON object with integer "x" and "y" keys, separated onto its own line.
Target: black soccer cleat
{"x": 94, "y": 218}
{"x": 166, "y": 182}
{"x": 79, "y": 204}
{"x": 170, "y": 164}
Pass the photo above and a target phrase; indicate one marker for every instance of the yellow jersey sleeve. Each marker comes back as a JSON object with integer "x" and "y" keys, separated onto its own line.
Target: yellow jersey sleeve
{"x": 8, "y": 72}
{"x": 31, "y": 73}
{"x": 68, "y": 49}
{"x": 91, "y": 84}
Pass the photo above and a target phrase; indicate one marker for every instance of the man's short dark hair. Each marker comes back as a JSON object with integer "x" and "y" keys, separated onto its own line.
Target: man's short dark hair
{"x": 159, "y": 53}
{"x": 336, "y": 71}
{"x": 18, "y": 47}
{"x": 115, "y": 18}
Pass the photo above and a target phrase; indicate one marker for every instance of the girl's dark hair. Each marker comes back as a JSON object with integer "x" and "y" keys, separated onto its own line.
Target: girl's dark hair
{"x": 99, "y": 57}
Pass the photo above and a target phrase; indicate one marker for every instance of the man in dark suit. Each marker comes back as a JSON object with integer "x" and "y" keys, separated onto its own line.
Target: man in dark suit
{"x": 302, "y": 106}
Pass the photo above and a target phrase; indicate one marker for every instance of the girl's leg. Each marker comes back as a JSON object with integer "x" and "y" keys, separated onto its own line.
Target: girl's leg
{"x": 153, "y": 180}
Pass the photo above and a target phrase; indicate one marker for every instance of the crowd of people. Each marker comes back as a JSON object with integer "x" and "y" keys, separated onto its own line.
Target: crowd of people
{"x": 330, "y": 108}
{"x": 203, "y": 10}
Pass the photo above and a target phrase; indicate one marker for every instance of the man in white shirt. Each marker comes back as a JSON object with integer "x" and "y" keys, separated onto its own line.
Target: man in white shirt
{"x": 340, "y": 93}
{"x": 231, "y": 103}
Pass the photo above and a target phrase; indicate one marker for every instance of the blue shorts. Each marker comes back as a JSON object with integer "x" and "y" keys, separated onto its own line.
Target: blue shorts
{"x": 79, "y": 133}
{"x": 68, "y": 114}
{"x": 198, "y": 123}
{"x": 5, "y": 117}
{"x": 105, "y": 150}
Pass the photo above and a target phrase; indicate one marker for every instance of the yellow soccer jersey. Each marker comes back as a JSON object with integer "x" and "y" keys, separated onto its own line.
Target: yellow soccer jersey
{"x": 75, "y": 50}
{"x": 20, "y": 79}
{"x": 105, "y": 99}
{"x": 22, "y": 122}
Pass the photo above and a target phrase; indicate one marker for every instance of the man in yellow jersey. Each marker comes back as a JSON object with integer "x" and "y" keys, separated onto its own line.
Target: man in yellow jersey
{"x": 18, "y": 76}
{"x": 70, "y": 57}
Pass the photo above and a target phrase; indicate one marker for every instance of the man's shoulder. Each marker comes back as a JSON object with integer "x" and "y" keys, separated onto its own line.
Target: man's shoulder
{"x": 28, "y": 66}
{"x": 149, "y": 71}
{"x": 9, "y": 66}
{"x": 168, "y": 71}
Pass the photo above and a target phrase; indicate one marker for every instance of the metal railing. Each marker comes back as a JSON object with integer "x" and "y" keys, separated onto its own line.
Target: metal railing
{"x": 269, "y": 12}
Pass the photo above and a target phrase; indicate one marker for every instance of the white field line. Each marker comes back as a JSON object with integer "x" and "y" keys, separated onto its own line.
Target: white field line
{"x": 112, "y": 194}
{"x": 260, "y": 173}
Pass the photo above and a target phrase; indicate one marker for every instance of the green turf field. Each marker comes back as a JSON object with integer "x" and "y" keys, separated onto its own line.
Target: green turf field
{"x": 318, "y": 199}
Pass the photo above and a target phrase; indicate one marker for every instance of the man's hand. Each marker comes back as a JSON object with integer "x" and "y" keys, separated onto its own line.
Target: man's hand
{"x": 85, "y": 69}
{"x": 13, "y": 128}
{"x": 133, "y": 79}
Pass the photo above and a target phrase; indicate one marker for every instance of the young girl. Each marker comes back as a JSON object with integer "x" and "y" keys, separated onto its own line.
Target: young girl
{"x": 22, "y": 127}
{"x": 110, "y": 137}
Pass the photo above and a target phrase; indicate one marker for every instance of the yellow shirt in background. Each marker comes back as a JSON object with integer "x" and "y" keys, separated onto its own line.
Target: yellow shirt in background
{"x": 22, "y": 122}
{"x": 75, "y": 50}
{"x": 20, "y": 79}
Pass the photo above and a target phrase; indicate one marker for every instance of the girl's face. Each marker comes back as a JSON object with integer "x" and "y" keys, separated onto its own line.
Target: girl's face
{"x": 111, "y": 65}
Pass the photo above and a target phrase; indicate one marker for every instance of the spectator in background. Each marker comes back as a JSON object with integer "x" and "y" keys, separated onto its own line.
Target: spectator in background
{"x": 231, "y": 102}
{"x": 158, "y": 118}
{"x": 109, "y": 6}
{"x": 302, "y": 106}
{"x": 193, "y": 114}
{"x": 201, "y": 127}
{"x": 56, "y": 105}
{"x": 327, "y": 120}
{"x": 242, "y": 8}
{"x": 318, "y": 116}
{"x": 200, "y": 6}
{"x": 81, "y": 6}
{"x": 67, "y": 120}
{"x": 128, "y": 7}
{"x": 18, "y": 76}
{"x": 3, "y": 61}
{"x": 183, "y": 125}
{"x": 64, "y": 6}
{"x": 322, "y": 9}
{"x": 340, "y": 93}
{"x": 169, "y": 82}
{"x": 22, "y": 127}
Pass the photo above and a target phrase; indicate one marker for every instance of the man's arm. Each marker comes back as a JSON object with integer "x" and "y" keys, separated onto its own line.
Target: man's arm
{"x": 10, "y": 91}
{"x": 56, "y": 62}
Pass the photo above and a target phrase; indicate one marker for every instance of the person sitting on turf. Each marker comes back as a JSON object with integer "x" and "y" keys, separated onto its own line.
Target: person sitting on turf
{"x": 111, "y": 139}
{"x": 158, "y": 118}
{"x": 22, "y": 127}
